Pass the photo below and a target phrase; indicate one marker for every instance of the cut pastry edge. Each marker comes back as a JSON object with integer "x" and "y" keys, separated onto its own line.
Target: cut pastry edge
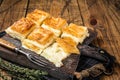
{"x": 55, "y": 25}
{"x": 19, "y": 31}
{"x": 27, "y": 44}
{"x": 80, "y": 37}
{"x": 68, "y": 45}
{"x": 56, "y": 32}
{"x": 14, "y": 34}
{"x": 33, "y": 45}
{"x": 77, "y": 40}
{"x": 18, "y": 35}
{"x": 55, "y": 54}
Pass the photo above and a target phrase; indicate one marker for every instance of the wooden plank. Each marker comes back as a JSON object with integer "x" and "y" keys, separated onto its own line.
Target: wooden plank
{"x": 67, "y": 9}
{"x": 113, "y": 18}
{"x": 12, "y": 10}
{"x": 107, "y": 27}
{"x": 39, "y": 4}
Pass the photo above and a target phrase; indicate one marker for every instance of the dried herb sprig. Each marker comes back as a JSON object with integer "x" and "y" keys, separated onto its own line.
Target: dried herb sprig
{"x": 21, "y": 73}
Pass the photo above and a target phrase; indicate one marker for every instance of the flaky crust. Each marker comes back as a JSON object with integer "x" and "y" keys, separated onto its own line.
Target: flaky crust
{"x": 55, "y": 23}
{"x": 21, "y": 28}
{"x": 38, "y": 39}
{"x": 75, "y": 30}
{"x": 38, "y": 16}
{"x": 68, "y": 45}
{"x": 41, "y": 35}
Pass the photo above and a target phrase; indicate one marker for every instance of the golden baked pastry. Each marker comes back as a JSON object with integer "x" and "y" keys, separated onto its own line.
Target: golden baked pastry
{"x": 68, "y": 45}
{"x": 21, "y": 28}
{"x": 50, "y": 37}
{"x": 38, "y": 39}
{"x": 55, "y": 25}
{"x": 77, "y": 33}
{"x": 60, "y": 50}
{"x": 38, "y": 16}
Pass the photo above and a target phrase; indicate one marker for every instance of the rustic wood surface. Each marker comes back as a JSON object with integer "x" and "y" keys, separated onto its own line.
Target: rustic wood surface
{"x": 103, "y": 13}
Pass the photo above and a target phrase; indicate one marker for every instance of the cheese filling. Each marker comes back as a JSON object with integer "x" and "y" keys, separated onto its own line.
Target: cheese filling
{"x": 55, "y": 31}
{"x": 55, "y": 54}
{"x": 76, "y": 39}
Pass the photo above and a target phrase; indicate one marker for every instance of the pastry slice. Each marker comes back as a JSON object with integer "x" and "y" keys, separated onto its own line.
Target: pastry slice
{"x": 60, "y": 50}
{"x": 77, "y": 33}
{"x": 68, "y": 45}
{"x": 39, "y": 39}
{"x": 38, "y": 16}
{"x": 55, "y": 25}
{"x": 21, "y": 28}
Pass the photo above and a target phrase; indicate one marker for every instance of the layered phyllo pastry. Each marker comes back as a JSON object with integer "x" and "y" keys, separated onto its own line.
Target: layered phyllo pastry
{"x": 38, "y": 16}
{"x": 77, "y": 33}
{"x": 61, "y": 49}
{"x": 55, "y": 25}
{"x": 38, "y": 39}
{"x": 21, "y": 28}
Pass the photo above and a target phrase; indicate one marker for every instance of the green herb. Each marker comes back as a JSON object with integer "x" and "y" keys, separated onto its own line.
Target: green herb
{"x": 21, "y": 73}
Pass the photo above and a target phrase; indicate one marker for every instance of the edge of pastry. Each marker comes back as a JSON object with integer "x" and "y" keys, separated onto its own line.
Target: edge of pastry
{"x": 21, "y": 28}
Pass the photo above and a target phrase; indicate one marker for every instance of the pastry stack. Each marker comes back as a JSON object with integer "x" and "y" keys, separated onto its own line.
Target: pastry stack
{"x": 50, "y": 37}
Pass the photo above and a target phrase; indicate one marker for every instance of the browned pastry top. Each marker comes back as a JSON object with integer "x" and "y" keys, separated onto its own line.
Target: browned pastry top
{"x": 41, "y": 35}
{"x": 37, "y": 14}
{"x": 68, "y": 45}
{"x": 75, "y": 30}
{"x": 22, "y": 26}
{"x": 55, "y": 23}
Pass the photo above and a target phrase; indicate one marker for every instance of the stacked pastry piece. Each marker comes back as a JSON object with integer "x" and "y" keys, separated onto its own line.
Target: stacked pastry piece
{"x": 50, "y": 37}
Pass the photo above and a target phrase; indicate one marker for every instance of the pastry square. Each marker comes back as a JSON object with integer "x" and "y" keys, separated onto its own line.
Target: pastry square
{"x": 38, "y": 16}
{"x": 38, "y": 39}
{"x": 21, "y": 28}
{"x": 77, "y": 33}
{"x": 55, "y": 25}
{"x": 68, "y": 45}
{"x": 60, "y": 50}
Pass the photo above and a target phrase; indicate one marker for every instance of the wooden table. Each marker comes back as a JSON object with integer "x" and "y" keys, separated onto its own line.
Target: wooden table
{"x": 103, "y": 13}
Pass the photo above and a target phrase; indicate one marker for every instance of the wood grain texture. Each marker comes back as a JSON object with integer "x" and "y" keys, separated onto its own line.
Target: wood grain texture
{"x": 107, "y": 26}
{"x": 11, "y": 11}
{"x": 67, "y": 9}
{"x": 81, "y": 12}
